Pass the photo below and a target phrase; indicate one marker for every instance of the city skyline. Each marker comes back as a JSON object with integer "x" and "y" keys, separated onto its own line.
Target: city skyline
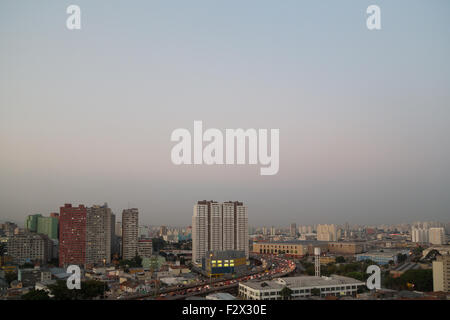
{"x": 277, "y": 225}
{"x": 216, "y": 255}
{"x": 86, "y": 115}
{"x": 230, "y": 158}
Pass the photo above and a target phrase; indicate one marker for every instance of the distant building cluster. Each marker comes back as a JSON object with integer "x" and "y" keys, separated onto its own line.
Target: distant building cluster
{"x": 261, "y": 261}
{"x": 327, "y": 232}
{"x": 428, "y": 232}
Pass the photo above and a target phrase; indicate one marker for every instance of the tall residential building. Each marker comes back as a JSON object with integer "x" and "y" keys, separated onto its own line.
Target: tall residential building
{"x": 8, "y": 228}
{"x": 31, "y": 222}
{"x": 145, "y": 248}
{"x": 118, "y": 229}
{"x": 115, "y": 248}
{"x": 215, "y": 233}
{"x": 48, "y": 226}
{"x": 441, "y": 273}
{"x": 326, "y": 232}
{"x": 144, "y": 232}
{"x": 130, "y": 233}
{"x": 437, "y": 235}
{"x": 293, "y": 230}
{"x": 162, "y": 231}
{"x": 54, "y": 215}
{"x": 227, "y": 226}
{"x": 273, "y": 231}
{"x": 72, "y": 235}
{"x": 201, "y": 229}
{"x": 118, "y": 238}
{"x": 264, "y": 231}
{"x": 43, "y": 225}
{"x": 29, "y": 247}
{"x": 98, "y": 235}
{"x": 241, "y": 227}
{"x": 419, "y": 235}
{"x": 219, "y": 227}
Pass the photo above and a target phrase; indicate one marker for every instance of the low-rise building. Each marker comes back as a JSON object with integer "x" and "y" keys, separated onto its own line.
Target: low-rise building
{"x": 292, "y": 248}
{"x": 30, "y": 276}
{"x": 345, "y": 247}
{"x": 145, "y": 248}
{"x": 327, "y": 259}
{"x": 178, "y": 270}
{"x": 301, "y": 287}
{"x": 381, "y": 257}
{"x": 43, "y": 285}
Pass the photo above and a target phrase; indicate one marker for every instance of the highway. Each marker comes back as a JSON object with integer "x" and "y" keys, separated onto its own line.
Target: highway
{"x": 272, "y": 267}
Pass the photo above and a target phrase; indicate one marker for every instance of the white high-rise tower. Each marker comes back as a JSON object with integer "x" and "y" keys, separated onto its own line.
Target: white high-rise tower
{"x": 130, "y": 233}
{"x": 219, "y": 227}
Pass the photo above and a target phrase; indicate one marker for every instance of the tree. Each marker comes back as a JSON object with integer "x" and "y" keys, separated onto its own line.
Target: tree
{"x": 420, "y": 280}
{"x": 286, "y": 293}
{"x": 26, "y": 265}
{"x": 401, "y": 258}
{"x": 158, "y": 244}
{"x": 36, "y": 295}
{"x": 418, "y": 251}
{"x": 361, "y": 276}
{"x": 136, "y": 262}
{"x": 315, "y": 292}
{"x": 310, "y": 270}
{"x": 90, "y": 289}
{"x": 60, "y": 291}
{"x": 340, "y": 259}
{"x": 10, "y": 277}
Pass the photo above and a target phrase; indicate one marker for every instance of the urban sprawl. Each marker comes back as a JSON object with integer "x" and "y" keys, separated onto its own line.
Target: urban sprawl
{"x": 218, "y": 257}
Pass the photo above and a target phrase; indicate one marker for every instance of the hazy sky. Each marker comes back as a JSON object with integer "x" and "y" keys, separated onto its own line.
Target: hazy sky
{"x": 364, "y": 116}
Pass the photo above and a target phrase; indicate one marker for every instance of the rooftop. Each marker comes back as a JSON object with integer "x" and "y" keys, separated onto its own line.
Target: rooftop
{"x": 220, "y": 296}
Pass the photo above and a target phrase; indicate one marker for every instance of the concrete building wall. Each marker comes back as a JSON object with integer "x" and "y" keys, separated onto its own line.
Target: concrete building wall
{"x": 98, "y": 235}
{"x": 130, "y": 231}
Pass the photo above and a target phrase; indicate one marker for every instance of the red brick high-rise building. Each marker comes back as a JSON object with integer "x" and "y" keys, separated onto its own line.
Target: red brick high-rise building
{"x": 72, "y": 235}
